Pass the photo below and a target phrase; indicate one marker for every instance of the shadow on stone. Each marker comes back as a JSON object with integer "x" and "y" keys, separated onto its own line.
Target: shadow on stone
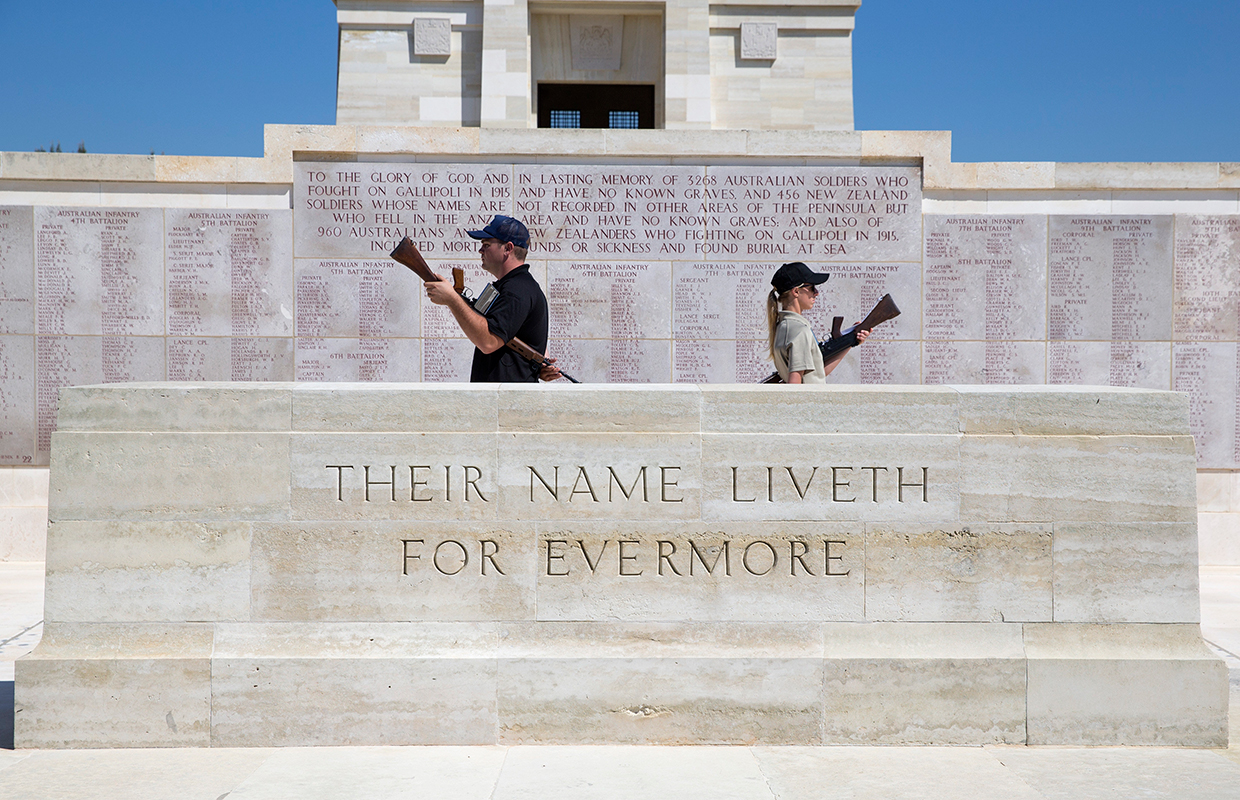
{"x": 6, "y": 715}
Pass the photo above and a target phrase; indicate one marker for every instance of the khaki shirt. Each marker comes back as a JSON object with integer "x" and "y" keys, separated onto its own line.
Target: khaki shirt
{"x": 796, "y": 349}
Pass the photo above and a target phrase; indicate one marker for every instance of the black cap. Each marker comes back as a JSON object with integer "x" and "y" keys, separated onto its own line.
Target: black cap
{"x": 504, "y": 229}
{"x": 790, "y": 276}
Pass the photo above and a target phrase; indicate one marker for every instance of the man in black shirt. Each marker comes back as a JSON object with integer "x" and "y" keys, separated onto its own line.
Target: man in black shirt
{"x": 519, "y": 311}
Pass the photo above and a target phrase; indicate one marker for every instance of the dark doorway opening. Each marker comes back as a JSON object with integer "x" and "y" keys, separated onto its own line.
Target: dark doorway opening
{"x": 595, "y": 105}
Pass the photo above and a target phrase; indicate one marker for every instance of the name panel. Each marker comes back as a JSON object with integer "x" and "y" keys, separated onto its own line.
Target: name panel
{"x": 16, "y": 270}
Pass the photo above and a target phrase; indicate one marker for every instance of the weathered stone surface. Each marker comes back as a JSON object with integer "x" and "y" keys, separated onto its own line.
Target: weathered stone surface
{"x": 1124, "y": 685}
{"x": 140, "y": 571}
{"x": 964, "y": 572}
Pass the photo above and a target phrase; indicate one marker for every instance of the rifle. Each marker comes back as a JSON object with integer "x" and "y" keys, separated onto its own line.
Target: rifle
{"x": 886, "y": 309}
{"x": 407, "y": 253}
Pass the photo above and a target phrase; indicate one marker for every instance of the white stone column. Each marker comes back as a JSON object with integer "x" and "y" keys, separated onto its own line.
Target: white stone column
{"x": 687, "y": 56}
{"x": 506, "y": 64}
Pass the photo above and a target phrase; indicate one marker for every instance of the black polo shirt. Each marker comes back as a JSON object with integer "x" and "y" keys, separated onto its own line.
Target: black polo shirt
{"x": 520, "y": 311}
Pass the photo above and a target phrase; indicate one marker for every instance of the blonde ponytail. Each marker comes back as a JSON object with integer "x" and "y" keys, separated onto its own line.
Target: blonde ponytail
{"x": 774, "y": 301}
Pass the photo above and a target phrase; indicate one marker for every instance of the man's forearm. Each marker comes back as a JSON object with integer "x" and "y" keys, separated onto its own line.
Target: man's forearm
{"x": 474, "y": 325}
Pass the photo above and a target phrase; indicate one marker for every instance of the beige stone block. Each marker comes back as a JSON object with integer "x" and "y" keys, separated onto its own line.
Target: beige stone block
{"x": 394, "y": 407}
{"x": 852, "y": 409}
{"x": 769, "y": 572}
{"x": 163, "y": 195}
{"x": 522, "y": 141}
{"x": 832, "y": 477}
{"x": 600, "y": 476}
{"x": 836, "y": 144}
{"x": 273, "y": 170}
{"x": 393, "y": 571}
{"x": 1216, "y": 491}
{"x": 605, "y": 409}
{"x": 963, "y": 572}
{"x": 410, "y": 476}
{"x": 1142, "y": 572}
{"x": 1134, "y": 175}
{"x": 904, "y": 144}
{"x": 266, "y": 196}
{"x": 1016, "y": 175}
{"x": 46, "y": 192}
{"x": 121, "y": 571}
{"x": 988, "y": 410}
{"x": 961, "y": 177}
{"x": 1099, "y": 411}
{"x": 674, "y": 142}
{"x": 941, "y": 683}
{"x": 1032, "y": 201}
{"x": 217, "y": 407}
{"x": 77, "y": 167}
{"x": 1124, "y": 685}
{"x": 204, "y": 476}
{"x": 1200, "y": 201}
{"x": 445, "y": 139}
{"x": 660, "y": 684}
{"x": 115, "y": 686}
{"x": 954, "y": 201}
{"x": 1218, "y": 539}
{"x": 1229, "y": 174}
{"x": 195, "y": 169}
{"x": 1077, "y": 478}
{"x": 355, "y": 684}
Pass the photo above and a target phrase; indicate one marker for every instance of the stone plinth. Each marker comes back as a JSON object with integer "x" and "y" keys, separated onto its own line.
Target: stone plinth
{"x": 276, "y": 564}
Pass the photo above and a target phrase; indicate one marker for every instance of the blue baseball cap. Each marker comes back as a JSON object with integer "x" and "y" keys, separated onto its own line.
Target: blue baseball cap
{"x": 504, "y": 229}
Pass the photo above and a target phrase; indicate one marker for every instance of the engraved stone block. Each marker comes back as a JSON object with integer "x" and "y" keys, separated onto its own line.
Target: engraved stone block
{"x": 1146, "y": 365}
{"x": 835, "y": 477}
{"x": 617, "y": 213}
{"x": 880, "y": 362}
{"x": 424, "y": 476}
{"x": 1001, "y": 363}
{"x": 352, "y": 210}
{"x": 17, "y": 400}
{"x": 758, "y": 40}
{"x": 17, "y": 298}
{"x": 1109, "y": 278}
{"x": 229, "y": 272}
{"x": 432, "y": 36}
{"x": 391, "y": 360}
{"x": 967, "y": 572}
{"x": 988, "y": 264}
{"x": 597, "y": 41}
{"x": 371, "y": 299}
{"x": 811, "y": 214}
{"x": 600, "y": 300}
{"x": 1209, "y": 374}
{"x": 762, "y": 572}
{"x": 1207, "y": 278}
{"x": 392, "y": 572}
{"x": 600, "y": 476}
{"x": 230, "y": 359}
{"x": 614, "y": 361}
{"x": 100, "y": 271}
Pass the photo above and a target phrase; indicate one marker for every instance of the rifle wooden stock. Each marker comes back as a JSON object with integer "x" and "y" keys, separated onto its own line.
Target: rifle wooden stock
{"x": 407, "y": 253}
{"x": 886, "y": 309}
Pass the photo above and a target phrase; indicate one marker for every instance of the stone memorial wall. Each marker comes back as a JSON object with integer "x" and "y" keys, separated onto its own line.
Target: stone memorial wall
{"x": 653, "y": 274}
{"x": 620, "y": 564}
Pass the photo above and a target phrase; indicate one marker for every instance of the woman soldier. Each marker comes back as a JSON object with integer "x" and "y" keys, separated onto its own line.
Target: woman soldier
{"x": 793, "y": 347}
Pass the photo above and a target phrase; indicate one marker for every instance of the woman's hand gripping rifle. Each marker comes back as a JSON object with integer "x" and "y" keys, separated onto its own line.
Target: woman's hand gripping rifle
{"x": 407, "y": 253}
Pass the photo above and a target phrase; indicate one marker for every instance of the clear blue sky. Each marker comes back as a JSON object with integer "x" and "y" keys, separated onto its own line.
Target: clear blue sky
{"x": 1059, "y": 80}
